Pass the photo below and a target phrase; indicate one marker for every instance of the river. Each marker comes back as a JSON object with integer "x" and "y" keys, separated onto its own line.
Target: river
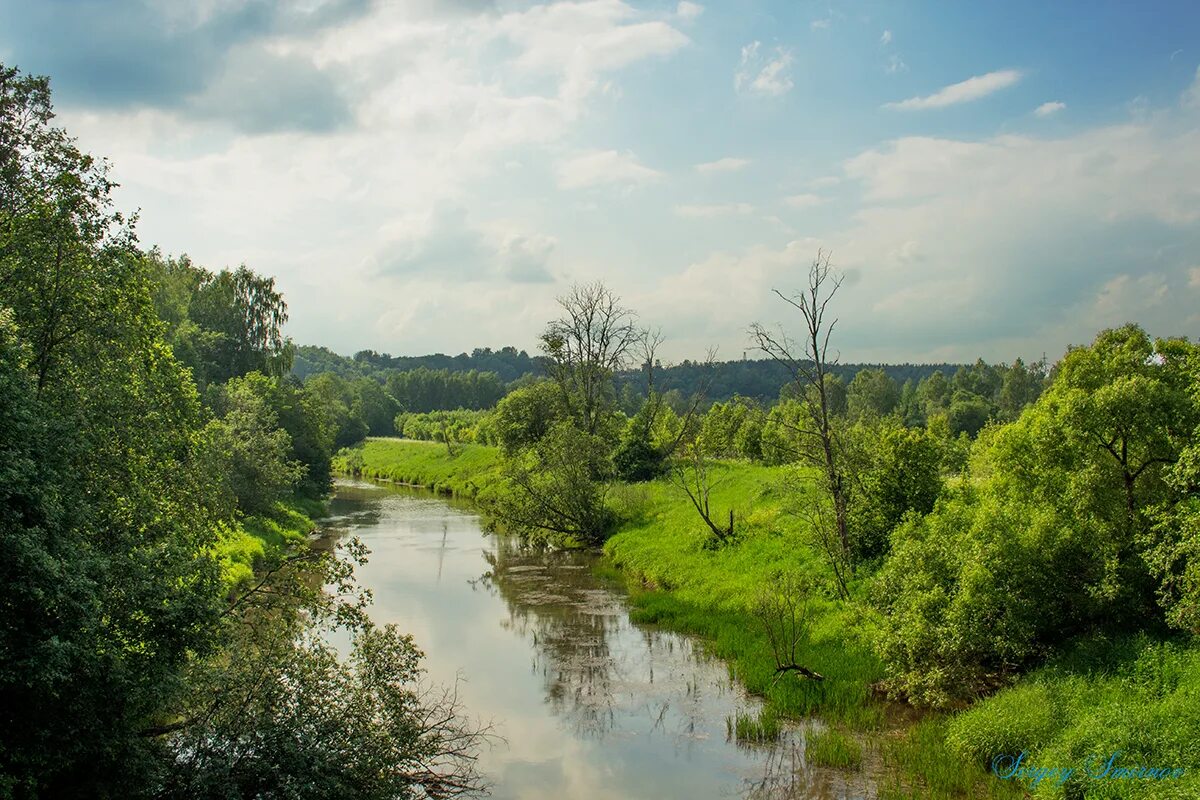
{"x": 590, "y": 705}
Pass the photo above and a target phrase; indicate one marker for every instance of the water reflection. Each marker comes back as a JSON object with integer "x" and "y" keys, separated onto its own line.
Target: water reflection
{"x": 591, "y": 705}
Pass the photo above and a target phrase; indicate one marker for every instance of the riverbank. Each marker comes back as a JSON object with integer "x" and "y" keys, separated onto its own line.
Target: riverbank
{"x": 677, "y": 581}
{"x": 244, "y": 545}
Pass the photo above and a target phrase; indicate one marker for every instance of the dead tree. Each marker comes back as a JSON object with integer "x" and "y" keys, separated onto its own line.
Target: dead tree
{"x": 782, "y": 609}
{"x": 692, "y": 474}
{"x": 808, "y": 364}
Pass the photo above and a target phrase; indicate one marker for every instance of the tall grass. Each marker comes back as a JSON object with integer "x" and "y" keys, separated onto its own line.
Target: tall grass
{"x": 832, "y": 748}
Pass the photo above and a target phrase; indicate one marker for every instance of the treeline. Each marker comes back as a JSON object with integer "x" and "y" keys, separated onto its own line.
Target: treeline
{"x": 507, "y": 363}
{"x": 760, "y": 379}
{"x": 162, "y": 619}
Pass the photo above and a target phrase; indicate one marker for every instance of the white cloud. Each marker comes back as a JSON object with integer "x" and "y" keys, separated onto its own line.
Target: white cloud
{"x": 824, "y": 182}
{"x": 1047, "y": 109}
{"x": 1194, "y": 277}
{"x": 962, "y": 92}
{"x": 804, "y": 200}
{"x": 1031, "y": 235}
{"x": 727, "y": 164}
{"x": 718, "y": 210}
{"x": 758, "y": 75}
{"x": 820, "y": 24}
{"x": 600, "y": 167}
{"x": 1191, "y": 97}
{"x": 688, "y": 11}
{"x": 439, "y": 102}
{"x": 886, "y": 37}
{"x": 895, "y": 64}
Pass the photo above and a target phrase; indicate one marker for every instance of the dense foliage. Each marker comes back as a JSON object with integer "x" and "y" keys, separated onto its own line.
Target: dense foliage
{"x": 161, "y": 614}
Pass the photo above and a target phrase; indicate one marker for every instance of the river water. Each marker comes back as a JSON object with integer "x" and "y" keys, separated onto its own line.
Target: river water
{"x": 590, "y": 705}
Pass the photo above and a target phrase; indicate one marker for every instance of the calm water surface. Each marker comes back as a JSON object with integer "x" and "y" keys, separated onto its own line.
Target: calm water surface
{"x": 591, "y": 705}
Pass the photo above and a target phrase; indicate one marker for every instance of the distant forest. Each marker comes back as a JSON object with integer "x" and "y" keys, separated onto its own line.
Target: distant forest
{"x": 760, "y": 379}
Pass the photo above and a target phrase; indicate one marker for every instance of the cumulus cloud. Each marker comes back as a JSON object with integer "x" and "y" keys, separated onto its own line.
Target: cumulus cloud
{"x": 187, "y": 58}
{"x": 727, "y": 164}
{"x": 762, "y": 75}
{"x": 1050, "y": 108}
{"x": 688, "y": 11}
{"x": 600, "y": 167}
{"x": 963, "y": 92}
{"x": 445, "y": 244}
{"x": 885, "y": 37}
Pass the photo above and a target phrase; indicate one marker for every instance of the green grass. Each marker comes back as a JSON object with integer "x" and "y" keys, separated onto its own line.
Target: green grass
{"x": 832, "y": 748}
{"x": 1139, "y": 697}
{"x": 426, "y": 464}
{"x": 241, "y": 546}
{"x": 760, "y": 728}
{"x": 920, "y": 765}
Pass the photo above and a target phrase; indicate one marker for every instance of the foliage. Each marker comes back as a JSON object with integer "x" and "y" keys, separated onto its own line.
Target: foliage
{"x": 527, "y": 414}
{"x": 252, "y": 449}
{"x": 899, "y": 473}
{"x": 421, "y": 389}
{"x": 554, "y": 491}
{"x": 872, "y": 394}
{"x": 434, "y": 426}
{"x": 1046, "y": 546}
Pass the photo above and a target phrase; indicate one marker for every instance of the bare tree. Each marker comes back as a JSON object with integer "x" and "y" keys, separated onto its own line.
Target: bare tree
{"x": 587, "y": 346}
{"x": 692, "y": 474}
{"x": 782, "y": 609}
{"x": 823, "y": 529}
{"x": 808, "y": 363}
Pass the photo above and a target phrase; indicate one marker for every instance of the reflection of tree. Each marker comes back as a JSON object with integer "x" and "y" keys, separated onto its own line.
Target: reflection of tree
{"x": 552, "y": 600}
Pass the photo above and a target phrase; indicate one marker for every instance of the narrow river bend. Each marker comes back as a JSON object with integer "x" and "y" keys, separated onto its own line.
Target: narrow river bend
{"x": 591, "y": 705}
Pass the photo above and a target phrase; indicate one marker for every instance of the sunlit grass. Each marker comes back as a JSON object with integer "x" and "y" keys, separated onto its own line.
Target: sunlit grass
{"x": 462, "y": 474}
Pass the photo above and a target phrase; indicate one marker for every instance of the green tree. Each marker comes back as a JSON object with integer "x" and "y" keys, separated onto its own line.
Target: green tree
{"x": 255, "y": 450}
{"x": 872, "y": 393}
{"x": 526, "y": 415}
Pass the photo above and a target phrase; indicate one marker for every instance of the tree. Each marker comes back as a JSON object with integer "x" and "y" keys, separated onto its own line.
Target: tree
{"x": 554, "y": 490}
{"x": 872, "y": 393}
{"x": 808, "y": 369}
{"x": 586, "y": 347}
{"x": 254, "y": 450}
{"x": 247, "y": 315}
{"x": 526, "y": 415}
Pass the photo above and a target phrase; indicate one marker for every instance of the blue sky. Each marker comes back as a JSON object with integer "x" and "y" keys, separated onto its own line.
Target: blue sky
{"x": 998, "y": 180}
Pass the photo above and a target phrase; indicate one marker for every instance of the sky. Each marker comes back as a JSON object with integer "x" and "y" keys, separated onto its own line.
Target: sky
{"x": 994, "y": 180}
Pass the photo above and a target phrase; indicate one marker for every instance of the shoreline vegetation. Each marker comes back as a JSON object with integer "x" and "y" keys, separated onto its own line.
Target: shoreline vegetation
{"x": 1097, "y": 696}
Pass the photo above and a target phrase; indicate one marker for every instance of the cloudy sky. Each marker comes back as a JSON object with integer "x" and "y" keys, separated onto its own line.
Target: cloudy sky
{"x": 427, "y": 176}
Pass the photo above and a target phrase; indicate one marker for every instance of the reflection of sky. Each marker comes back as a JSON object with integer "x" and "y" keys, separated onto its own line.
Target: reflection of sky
{"x": 591, "y": 706}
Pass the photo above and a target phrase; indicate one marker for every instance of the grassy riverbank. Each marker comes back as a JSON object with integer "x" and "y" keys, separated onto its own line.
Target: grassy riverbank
{"x": 244, "y": 545}
{"x": 677, "y": 581}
